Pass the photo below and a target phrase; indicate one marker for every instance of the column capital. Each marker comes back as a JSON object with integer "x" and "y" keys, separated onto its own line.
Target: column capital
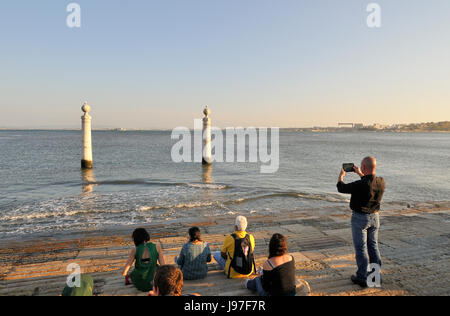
{"x": 206, "y": 111}
{"x": 86, "y": 108}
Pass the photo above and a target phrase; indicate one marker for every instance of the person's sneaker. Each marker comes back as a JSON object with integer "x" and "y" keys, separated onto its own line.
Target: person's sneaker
{"x": 245, "y": 283}
{"x": 361, "y": 283}
{"x": 259, "y": 271}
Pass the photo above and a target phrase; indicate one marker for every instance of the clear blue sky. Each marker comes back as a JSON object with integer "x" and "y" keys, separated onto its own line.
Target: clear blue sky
{"x": 287, "y": 63}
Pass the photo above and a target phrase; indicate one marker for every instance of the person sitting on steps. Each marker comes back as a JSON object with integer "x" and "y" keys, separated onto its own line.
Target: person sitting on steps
{"x": 237, "y": 255}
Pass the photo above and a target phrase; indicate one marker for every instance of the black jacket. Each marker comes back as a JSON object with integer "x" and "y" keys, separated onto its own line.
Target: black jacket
{"x": 366, "y": 193}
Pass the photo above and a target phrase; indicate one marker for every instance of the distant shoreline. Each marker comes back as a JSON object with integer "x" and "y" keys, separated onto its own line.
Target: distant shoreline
{"x": 397, "y": 128}
{"x": 300, "y": 130}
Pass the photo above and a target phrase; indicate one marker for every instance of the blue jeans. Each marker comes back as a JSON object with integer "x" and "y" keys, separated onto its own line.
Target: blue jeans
{"x": 221, "y": 261}
{"x": 255, "y": 285}
{"x": 365, "y": 240}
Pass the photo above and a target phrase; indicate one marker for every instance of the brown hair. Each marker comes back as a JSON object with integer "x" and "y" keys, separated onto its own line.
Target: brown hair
{"x": 140, "y": 236}
{"x": 169, "y": 281}
{"x": 277, "y": 246}
{"x": 194, "y": 234}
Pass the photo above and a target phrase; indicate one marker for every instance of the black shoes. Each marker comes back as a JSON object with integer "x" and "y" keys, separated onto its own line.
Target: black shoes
{"x": 361, "y": 283}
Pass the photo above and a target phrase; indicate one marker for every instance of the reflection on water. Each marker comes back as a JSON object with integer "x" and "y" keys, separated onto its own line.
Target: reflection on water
{"x": 207, "y": 179}
{"x": 88, "y": 180}
{"x": 207, "y": 174}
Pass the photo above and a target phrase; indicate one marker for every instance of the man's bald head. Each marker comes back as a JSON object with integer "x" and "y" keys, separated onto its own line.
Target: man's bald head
{"x": 369, "y": 165}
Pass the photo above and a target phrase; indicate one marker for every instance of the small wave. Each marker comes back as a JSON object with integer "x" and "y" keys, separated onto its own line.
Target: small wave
{"x": 210, "y": 186}
{"x": 40, "y": 215}
{"x": 324, "y": 197}
{"x": 178, "y": 206}
{"x": 302, "y": 195}
{"x": 131, "y": 182}
{"x": 51, "y": 214}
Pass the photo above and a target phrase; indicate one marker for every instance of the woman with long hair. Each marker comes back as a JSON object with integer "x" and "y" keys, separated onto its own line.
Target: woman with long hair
{"x": 278, "y": 275}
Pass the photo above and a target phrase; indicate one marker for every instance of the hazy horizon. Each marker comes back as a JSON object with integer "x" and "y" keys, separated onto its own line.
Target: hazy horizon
{"x": 290, "y": 64}
{"x": 106, "y": 128}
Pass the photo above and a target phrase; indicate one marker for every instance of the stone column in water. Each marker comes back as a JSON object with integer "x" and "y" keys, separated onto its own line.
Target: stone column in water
{"x": 86, "y": 160}
{"x": 207, "y": 137}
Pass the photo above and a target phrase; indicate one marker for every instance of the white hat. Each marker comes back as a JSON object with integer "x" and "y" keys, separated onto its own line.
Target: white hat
{"x": 241, "y": 223}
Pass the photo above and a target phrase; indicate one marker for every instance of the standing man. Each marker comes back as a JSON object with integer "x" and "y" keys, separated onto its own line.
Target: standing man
{"x": 365, "y": 203}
